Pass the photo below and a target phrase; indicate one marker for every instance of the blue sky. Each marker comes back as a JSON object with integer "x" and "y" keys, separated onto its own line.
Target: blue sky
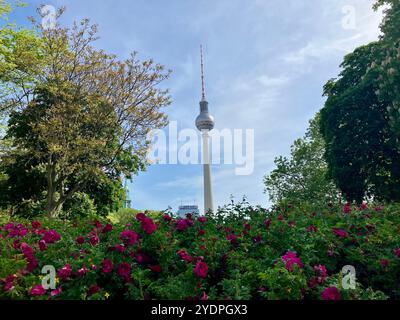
{"x": 266, "y": 62}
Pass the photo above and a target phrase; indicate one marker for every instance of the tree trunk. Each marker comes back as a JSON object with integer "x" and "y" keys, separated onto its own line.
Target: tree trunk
{"x": 54, "y": 205}
{"x": 51, "y": 191}
{"x": 54, "y": 209}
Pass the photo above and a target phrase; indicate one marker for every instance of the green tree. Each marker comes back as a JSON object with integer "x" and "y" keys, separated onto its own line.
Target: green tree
{"x": 387, "y": 66}
{"x": 361, "y": 120}
{"x": 302, "y": 177}
{"x": 87, "y": 117}
{"x": 361, "y": 149}
{"x": 21, "y": 58}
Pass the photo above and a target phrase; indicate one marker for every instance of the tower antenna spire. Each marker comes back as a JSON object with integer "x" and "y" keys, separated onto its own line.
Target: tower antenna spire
{"x": 203, "y": 90}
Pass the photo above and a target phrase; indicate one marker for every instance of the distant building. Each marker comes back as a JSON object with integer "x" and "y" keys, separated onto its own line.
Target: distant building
{"x": 184, "y": 210}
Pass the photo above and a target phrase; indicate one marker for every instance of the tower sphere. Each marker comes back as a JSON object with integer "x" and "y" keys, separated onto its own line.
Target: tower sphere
{"x": 204, "y": 121}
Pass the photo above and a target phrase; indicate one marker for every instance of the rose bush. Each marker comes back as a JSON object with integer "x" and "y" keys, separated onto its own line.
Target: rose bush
{"x": 241, "y": 252}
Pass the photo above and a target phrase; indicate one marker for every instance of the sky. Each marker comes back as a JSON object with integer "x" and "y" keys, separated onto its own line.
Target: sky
{"x": 266, "y": 62}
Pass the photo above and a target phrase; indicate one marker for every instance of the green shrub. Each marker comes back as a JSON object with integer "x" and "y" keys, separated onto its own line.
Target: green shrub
{"x": 242, "y": 252}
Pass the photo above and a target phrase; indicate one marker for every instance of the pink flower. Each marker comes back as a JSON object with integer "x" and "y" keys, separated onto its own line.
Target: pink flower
{"x": 397, "y": 252}
{"x": 202, "y": 219}
{"x": 80, "y": 240}
{"x": 98, "y": 224}
{"x": 204, "y": 296}
{"x": 185, "y": 256}
{"x": 17, "y": 244}
{"x": 9, "y": 226}
{"x": 201, "y": 233}
{"x": 140, "y": 216}
{"x": 18, "y": 230}
{"x": 182, "y": 225}
{"x": 340, "y": 232}
{"x": 267, "y": 223}
{"x": 148, "y": 225}
{"x": 167, "y": 217}
{"x": 38, "y": 290}
{"x": 201, "y": 269}
{"x": 312, "y": 283}
{"x": 36, "y": 225}
{"x": 156, "y": 268}
{"x": 42, "y": 245}
{"x": 107, "y": 266}
{"x": 120, "y": 248}
{"x": 56, "y": 292}
{"x": 27, "y": 251}
{"x": 290, "y": 259}
{"x": 93, "y": 290}
{"x": 65, "y": 272}
{"x": 347, "y": 208}
{"x": 312, "y": 229}
{"x": 129, "y": 237}
{"x": 107, "y": 228}
{"x": 9, "y": 283}
{"x": 124, "y": 270}
{"x": 142, "y": 258}
{"x": 32, "y": 264}
{"x": 321, "y": 272}
{"x": 83, "y": 271}
{"x": 232, "y": 239}
{"x": 331, "y": 293}
{"x": 51, "y": 236}
{"x": 94, "y": 240}
{"x": 385, "y": 263}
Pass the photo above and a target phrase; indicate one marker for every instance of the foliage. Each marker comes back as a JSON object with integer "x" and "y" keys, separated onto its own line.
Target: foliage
{"x": 125, "y": 215}
{"x": 122, "y": 215}
{"x": 241, "y": 252}
{"x": 302, "y": 177}
{"x": 21, "y": 56}
{"x": 84, "y": 118}
{"x": 361, "y": 150}
{"x": 360, "y": 121}
{"x": 79, "y": 206}
{"x": 387, "y": 66}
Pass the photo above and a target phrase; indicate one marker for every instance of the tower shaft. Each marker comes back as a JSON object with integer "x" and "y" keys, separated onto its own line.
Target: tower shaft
{"x": 208, "y": 192}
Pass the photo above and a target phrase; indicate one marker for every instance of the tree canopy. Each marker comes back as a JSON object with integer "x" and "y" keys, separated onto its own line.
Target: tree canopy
{"x": 302, "y": 177}
{"x": 360, "y": 122}
{"x": 83, "y": 118}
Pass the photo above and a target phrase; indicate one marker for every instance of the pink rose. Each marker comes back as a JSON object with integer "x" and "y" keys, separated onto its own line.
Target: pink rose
{"x": 129, "y": 237}
{"x": 331, "y": 293}
{"x": 107, "y": 266}
{"x": 201, "y": 269}
{"x": 80, "y": 240}
{"x": 65, "y": 272}
{"x": 148, "y": 225}
{"x": 38, "y": 290}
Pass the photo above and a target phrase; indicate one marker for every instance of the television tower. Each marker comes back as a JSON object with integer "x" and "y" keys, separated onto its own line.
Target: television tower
{"x": 205, "y": 123}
